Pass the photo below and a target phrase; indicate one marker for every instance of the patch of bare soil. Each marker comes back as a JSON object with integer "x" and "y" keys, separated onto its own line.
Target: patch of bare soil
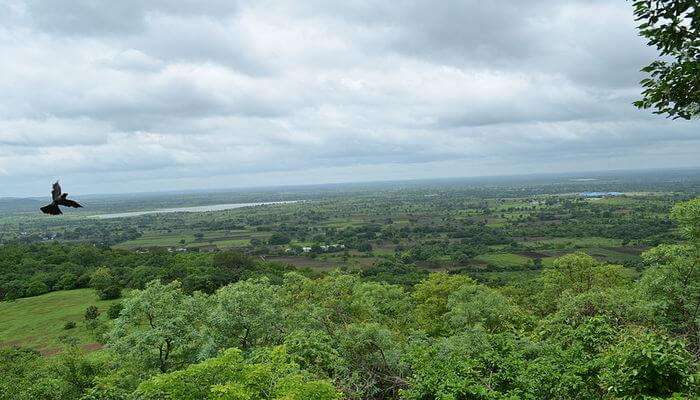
{"x": 92, "y": 346}
{"x": 49, "y": 351}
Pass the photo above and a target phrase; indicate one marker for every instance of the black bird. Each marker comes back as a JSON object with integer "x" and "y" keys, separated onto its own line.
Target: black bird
{"x": 59, "y": 199}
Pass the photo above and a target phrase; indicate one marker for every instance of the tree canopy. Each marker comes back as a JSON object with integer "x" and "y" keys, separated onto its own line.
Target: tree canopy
{"x": 673, "y": 28}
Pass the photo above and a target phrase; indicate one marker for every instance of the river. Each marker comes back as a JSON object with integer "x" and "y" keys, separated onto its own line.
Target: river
{"x": 211, "y": 207}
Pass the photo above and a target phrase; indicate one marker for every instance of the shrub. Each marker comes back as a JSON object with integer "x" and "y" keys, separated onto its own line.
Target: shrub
{"x": 67, "y": 281}
{"x": 69, "y": 325}
{"x": 91, "y": 313}
{"x": 647, "y": 364}
{"x": 110, "y": 293}
{"x": 105, "y": 284}
{"x": 35, "y": 287}
{"x": 114, "y": 310}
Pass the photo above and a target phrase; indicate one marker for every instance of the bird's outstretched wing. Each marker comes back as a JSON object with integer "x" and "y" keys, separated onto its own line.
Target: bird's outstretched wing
{"x": 51, "y": 209}
{"x": 56, "y": 191}
{"x": 68, "y": 203}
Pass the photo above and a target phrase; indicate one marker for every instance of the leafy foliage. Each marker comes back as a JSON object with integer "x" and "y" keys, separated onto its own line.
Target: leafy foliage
{"x": 114, "y": 310}
{"x": 673, "y": 27}
{"x": 579, "y": 328}
{"x": 91, "y": 313}
{"x": 246, "y": 314}
{"x": 270, "y": 375}
{"x": 105, "y": 284}
{"x": 159, "y": 327}
{"x": 646, "y": 364}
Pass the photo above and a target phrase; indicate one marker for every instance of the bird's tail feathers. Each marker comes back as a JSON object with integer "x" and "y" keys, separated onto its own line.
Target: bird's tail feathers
{"x": 51, "y": 209}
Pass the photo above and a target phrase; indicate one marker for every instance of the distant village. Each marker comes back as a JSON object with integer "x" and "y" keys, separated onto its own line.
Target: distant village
{"x": 600, "y": 195}
{"x": 293, "y": 250}
{"x": 315, "y": 249}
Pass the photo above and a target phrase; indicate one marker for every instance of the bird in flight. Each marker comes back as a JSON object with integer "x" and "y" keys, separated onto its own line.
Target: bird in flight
{"x": 58, "y": 199}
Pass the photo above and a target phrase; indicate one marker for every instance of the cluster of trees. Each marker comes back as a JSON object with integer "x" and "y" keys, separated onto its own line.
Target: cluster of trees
{"x": 31, "y": 270}
{"x": 99, "y": 232}
{"x": 643, "y": 229}
{"x": 581, "y": 330}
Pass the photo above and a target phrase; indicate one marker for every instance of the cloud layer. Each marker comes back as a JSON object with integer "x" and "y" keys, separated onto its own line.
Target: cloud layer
{"x": 149, "y": 95}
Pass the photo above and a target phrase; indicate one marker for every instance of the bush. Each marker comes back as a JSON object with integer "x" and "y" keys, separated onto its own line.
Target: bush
{"x": 83, "y": 281}
{"x": 231, "y": 376}
{"x": 91, "y": 313}
{"x": 35, "y": 287}
{"x": 105, "y": 284}
{"x": 110, "y": 293}
{"x": 66, "y": 281}
{"x": 114, "y": 310}
{"x": 69, "y": 325}
{"x": 647, "y": 364}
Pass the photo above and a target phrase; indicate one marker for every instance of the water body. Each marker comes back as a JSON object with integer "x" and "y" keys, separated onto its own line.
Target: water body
{"x": 211, "y": 207}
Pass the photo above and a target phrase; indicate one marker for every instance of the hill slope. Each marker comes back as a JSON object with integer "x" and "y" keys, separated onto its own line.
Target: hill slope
{"x": 38, "y": 322}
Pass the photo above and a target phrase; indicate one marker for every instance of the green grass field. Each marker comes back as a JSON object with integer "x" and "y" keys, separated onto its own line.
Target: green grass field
{"x": 221, "y": 239}
{"x": 38, "y": 322}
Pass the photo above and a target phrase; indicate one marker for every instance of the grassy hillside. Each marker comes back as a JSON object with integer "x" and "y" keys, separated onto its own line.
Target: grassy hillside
{"x": 38, "y": 322}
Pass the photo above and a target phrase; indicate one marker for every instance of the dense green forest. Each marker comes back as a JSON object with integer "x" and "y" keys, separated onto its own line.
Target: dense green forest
{"x": 234, "y": 325}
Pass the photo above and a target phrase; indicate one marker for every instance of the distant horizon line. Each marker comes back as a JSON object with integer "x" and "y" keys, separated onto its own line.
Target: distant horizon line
{"x": 373, "y": 182}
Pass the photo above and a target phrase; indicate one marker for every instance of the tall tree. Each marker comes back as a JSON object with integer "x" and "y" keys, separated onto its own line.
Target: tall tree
{"x": 159, "y": 327}
{"x": 105, "y": 284}
{"x": 246, "y": 314}
{"x": 673, "y": 85}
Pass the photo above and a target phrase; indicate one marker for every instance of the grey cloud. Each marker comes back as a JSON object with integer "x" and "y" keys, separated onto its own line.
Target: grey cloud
{"x": 52, "y": 132}
{"x": 186, "y": 38}
{"x": 90, "y": 17}
{"x": 592, "y": 41}
{"x": 224, "y": 93}
{"x": 132, "y": 60}
{"x": 77, "y": 17}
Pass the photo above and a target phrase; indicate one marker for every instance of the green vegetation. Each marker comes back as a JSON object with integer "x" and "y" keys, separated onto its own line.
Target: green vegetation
{"x": 40, "y": 322}
{"x": 502, "y": 294}
{"x": 504, "y": 260}
{"x": 673, "y": 27}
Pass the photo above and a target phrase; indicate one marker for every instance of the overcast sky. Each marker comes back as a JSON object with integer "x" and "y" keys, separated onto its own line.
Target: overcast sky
{"x": 132, "y": 95}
